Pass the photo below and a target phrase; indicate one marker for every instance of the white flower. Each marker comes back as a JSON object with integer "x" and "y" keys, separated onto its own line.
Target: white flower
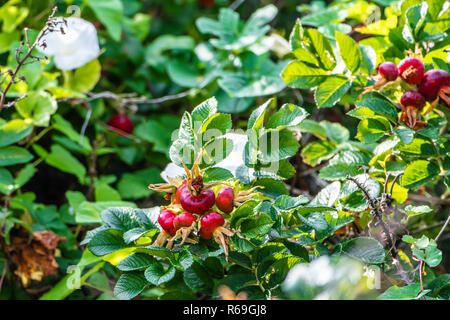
{"x": 75, "y": 47}
{"x": 234, "y": 160}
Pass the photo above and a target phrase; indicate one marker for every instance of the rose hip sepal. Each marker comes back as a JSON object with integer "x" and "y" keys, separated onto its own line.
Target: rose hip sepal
{"x": 183, "y": 223}
{"x": 411, "y": 70}
{"x": 412, "y": 102}
{"x": 211, "y": 226}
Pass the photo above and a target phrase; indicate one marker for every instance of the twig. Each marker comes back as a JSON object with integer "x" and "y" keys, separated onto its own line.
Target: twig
{"x": 5, "y": 268}
{"x": 50, "y": 24}
{"x": 443, "y": 228}
{"x": 92, "y": 170}
{"x": 431, "y": 200}
{"x": 236, "y": 4}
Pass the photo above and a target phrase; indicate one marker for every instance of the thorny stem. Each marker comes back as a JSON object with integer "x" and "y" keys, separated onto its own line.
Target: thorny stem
{"x": 21, "y": 62}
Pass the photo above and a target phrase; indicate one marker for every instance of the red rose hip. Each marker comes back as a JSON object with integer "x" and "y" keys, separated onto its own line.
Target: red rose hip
{"x": 432, "y": 83}
{"x": 413, "y": 99}
{"x": 178, "y": 192}
{"x": 388, "y": 71}
{"x": 183, "y": 220}
{"x": 411, "y": 70}
{"x": 224, "y": 200}
{"x": 197, "y": 204}
{"x": 121, "y": 122}
{"x": 165, "y": 220}
{"x": 209, "y": 223}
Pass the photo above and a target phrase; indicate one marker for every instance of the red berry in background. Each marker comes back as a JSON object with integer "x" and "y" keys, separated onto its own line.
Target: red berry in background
{"x": 206, "y": 3}
{"x": 165, "y": 220}
{"x": 432, "y": 83}
{"x": 413, "y": 99}
{"x": 121, "y": 122}
{"x": 388, "y": 70}
{"x": 197, "y": 204}
{"x": 411, "y": 70}
{"x": 183, "y": 220}
{"x": 209, "y": 223}
{"x": 178, "y": 192}
{"x": 224, "y": 200}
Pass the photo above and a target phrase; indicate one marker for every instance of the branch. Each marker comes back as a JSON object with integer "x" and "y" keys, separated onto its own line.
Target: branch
{"x": 50, "y": 25}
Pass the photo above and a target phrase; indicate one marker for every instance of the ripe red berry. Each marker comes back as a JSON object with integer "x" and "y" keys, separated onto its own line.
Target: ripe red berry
{"x": 183, "y": 220}
{"x": 178, "y": 192}
{"x": 411, "y": 70}
{"x": 413, "y": 99}
{"x": 206, "y": 3}
{"x": 432, "y": 82}
{"x": 388, "y": 71}
{"x": 224, "y": 200}
{"x": 197, "y": 204}
{"x": 209, "y": 223}
{"x": 165, "y": 220}
{"x": 121, "y": 122}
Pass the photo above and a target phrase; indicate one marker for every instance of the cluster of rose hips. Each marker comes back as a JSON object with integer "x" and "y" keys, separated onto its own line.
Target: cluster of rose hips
{"x": 190, "y": 215}
{"x": 429, "y": 86}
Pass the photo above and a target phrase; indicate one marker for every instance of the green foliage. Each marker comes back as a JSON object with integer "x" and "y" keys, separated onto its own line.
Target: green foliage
{"x": 286, "y": 117}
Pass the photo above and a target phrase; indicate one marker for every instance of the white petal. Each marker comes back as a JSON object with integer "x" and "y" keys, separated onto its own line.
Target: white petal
{"x": 75, "y": 47}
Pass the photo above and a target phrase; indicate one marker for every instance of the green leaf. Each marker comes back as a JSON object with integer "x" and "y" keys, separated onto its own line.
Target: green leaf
{"x": 368, "y": 59}
{"x": 371, "y": 130}
{"x": 89, "y": 212}
{"x": 110, "y": 13}
{"x": 349, "y": 50}
{"x": 289, "y": 115}
{"x": 38, "y": 107}
{"x": 287, "y": 203}
{"x": 14, "y": 155}
{"x": 316, "y": 152}
{"x": 303, "y": 76}
{"x": 14, "y": 131}
{"x": 86, "y": 77}
{"x": 103, "y": 192}
{"x": 121, "y": 218}
{"x": 64, "y": 126}
{"x": 335, "y": 131}
{"x": 411, "y": 210}
{"x": 330, "y": 91}
{"x": 204, "y": 110}
{"x": 322, "y": 48}
{"x": 129, "y": 285}
{"x": 419, "y": 173}
{"x": 257, "y": 225}
{"x": 266, "y": 81}
{"x": 418, "y": 148}
{"x": 380, "y": 105}
{"x": 367, "y": 250}
{"x": 136, "y": 261}
{"x": 328, "y": 195}
{"x": 197, "y": 278}
{"x": 297, "y": 250}
{"x": 216, "y": 174}
{"x": 433, "y": 256}
{"x": 106, "y": 241}
{"x": 63, "y": 160}
{"x": 135, "y": 185}
{"x": 279, "y": 145}
{"x": 408, "y": 292}
{"x": 220, "y": 122}
{"x": 156, "y": 275}
{"x": 24, "y": 175}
